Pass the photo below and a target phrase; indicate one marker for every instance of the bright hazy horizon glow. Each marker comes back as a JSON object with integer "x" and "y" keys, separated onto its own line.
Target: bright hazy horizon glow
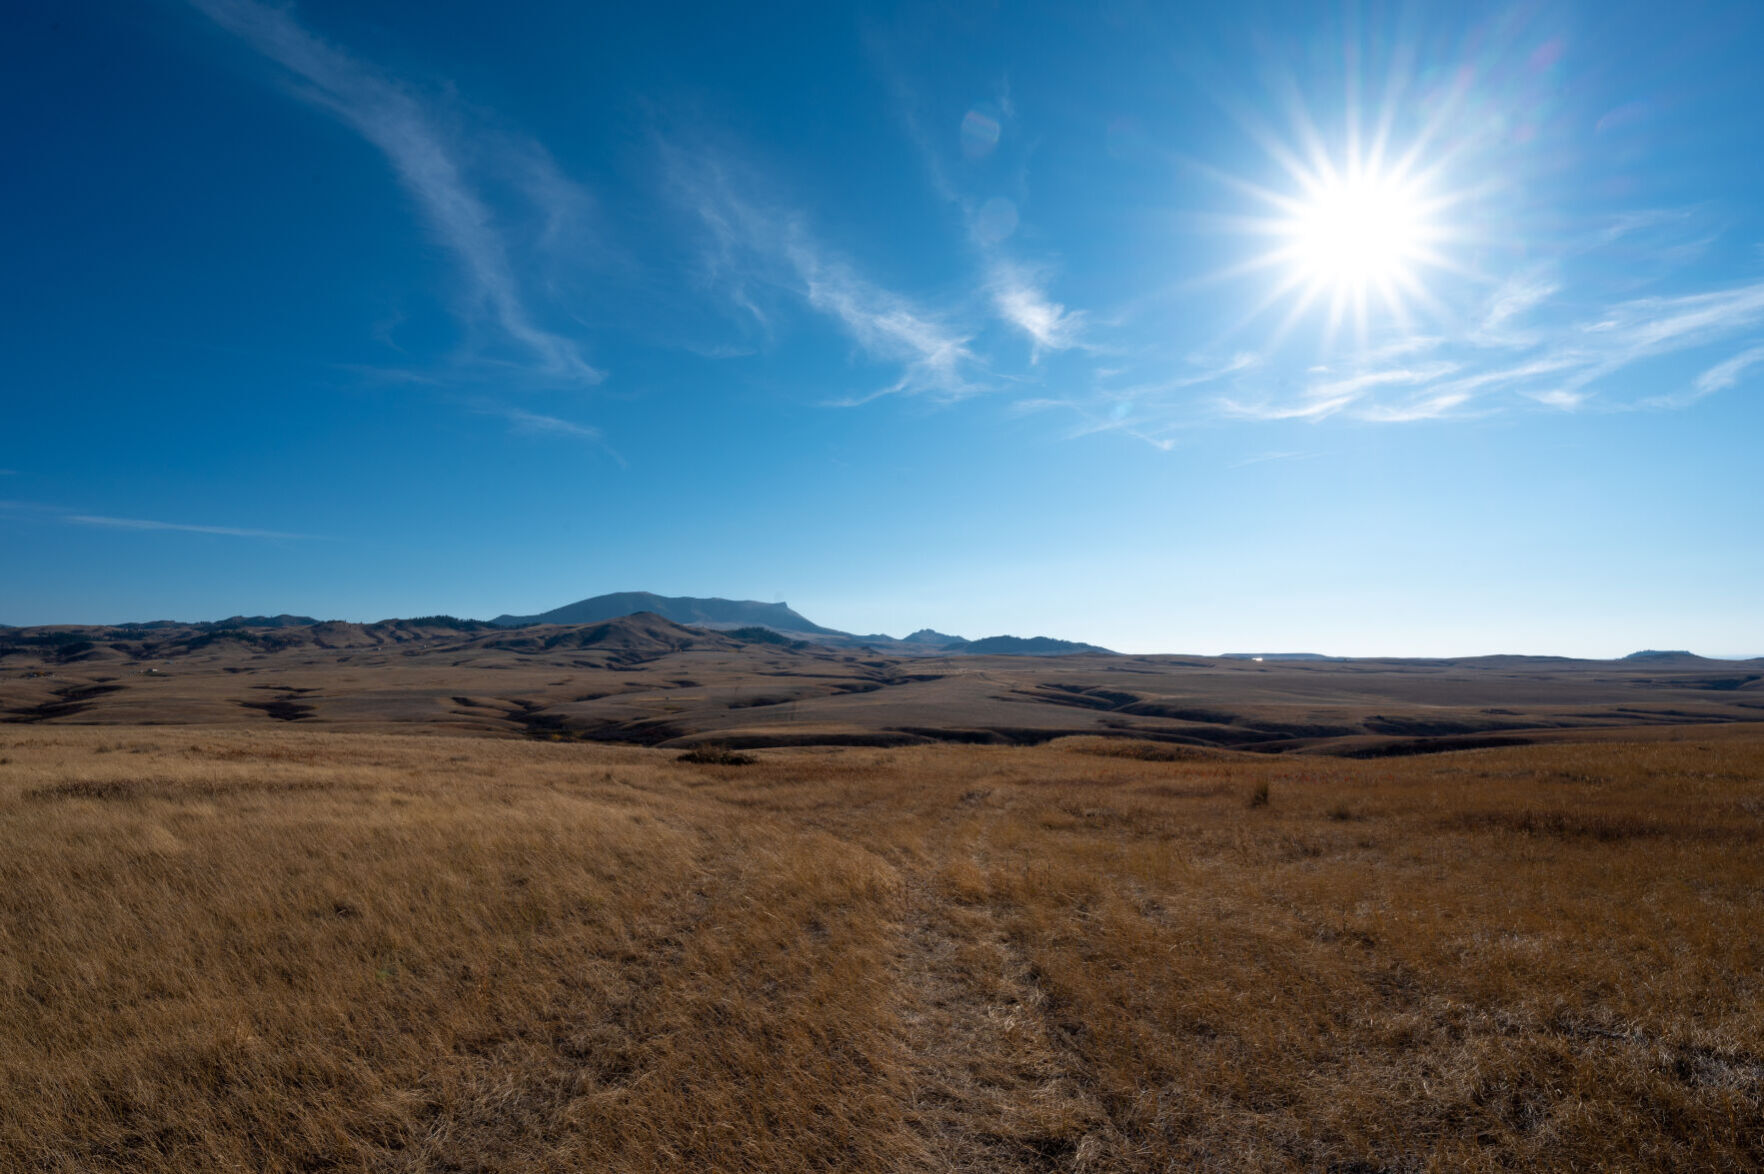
{"x": 1292, "y": 326}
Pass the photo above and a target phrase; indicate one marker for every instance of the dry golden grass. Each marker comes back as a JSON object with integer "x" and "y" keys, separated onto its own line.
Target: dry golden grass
{"x": 295, "y": 951}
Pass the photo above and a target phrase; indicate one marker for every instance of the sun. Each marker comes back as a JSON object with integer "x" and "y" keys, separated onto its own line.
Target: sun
{"x": 1357, "y": 235}
{"x": 1358, "y": 231}
{"x": 1362, "y": 230}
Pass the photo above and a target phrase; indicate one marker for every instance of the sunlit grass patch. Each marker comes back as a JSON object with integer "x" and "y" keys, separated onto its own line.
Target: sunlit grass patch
{"x": 294, "y": 950}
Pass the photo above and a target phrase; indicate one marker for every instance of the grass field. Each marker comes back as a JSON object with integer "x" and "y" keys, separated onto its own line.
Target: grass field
{"x": 297, "y": 950}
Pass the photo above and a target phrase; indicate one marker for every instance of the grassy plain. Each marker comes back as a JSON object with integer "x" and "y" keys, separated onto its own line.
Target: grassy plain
{"x": 288, "y": 949}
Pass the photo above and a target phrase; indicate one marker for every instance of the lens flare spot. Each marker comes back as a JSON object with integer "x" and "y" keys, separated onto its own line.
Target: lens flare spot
{"x": 996, "y": 221}
{"x": 980, "y": 132}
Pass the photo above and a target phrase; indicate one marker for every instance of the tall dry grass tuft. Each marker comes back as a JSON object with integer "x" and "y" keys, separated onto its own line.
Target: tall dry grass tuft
{"x": 299, "y": 951}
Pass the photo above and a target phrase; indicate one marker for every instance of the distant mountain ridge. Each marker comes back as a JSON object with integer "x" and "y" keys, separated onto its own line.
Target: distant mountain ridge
{"x": 743, "y": 619}
{"x": 735, "y": 623}
{"x": 726, "y": 614}
{"x": 281, "y": 621}
{"x": 932, "y": 637}
{"x": 681, "y": 609}
{"x": 1022, "y": 646}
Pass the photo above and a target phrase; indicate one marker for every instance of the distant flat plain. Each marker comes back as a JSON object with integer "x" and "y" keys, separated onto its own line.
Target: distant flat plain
{"x": 391, "y": 898}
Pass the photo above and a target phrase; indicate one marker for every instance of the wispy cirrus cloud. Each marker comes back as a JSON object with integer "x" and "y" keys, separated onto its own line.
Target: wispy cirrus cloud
{"x": 1725, "y": 374}
{"x": 1653, "y": 242}
{"x": 1018, "y": 292}
{"x": 1639, "y": 221}
{"x": 935, "y": 357}
{"x": 64, "y": 516}
{"x": 1170, "y": 386}
{"x": 1020, "y": 300}
{"x": 182, "y": 527}
{"x": 432, "y": 164}
{"x": 1720, "y": 377}
{"x": 758, "y": 248}
{"x": 1123, "y": 420}
{"x": 1154, "y": 412}
{"x": 1565, "y": 334}
{"x": 1643, "y": 327}
{"x": 524, "y": 423}
{"x": 534, "y": 422}
{"x": 1515, "y": 297}
{"x": 1330, "y": 396}
{"x": 1121, "y": 417}
{"x": 1565, "y": 365}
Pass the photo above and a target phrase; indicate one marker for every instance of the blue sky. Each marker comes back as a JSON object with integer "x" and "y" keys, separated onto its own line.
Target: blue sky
{"x": 1367, "y": 329}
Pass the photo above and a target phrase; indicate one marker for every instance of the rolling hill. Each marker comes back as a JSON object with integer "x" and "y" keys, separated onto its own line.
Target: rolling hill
{"x": 649, "y": 680}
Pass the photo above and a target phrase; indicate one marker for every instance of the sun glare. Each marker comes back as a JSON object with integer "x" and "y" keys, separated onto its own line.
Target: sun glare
{"x": 1365, "y": 230}
{"x": 1356, "y": 237}
{"x": 1360, "y": 230}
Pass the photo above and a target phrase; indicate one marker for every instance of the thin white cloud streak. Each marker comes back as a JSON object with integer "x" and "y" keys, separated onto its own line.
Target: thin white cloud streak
{"x": 1646, "y": 328}
{"x": 428, "y": 165}
{"x": 1521, "y": 349}
{"x": 1628, "y": 223}
{"x": 1429, "y": 407}
{"x": 1570, "y": 364}
{"x": 1720, "y": 377}
{"x": 1515, "y": 298}
{"x": 565, "y": 206}
{"x": 1018, "y": 292}
{"x": 1153, "y": 392}
{"x": 753, "y": 245}
{"x": 1547, "y": 365}
{"x": 1139, "y": 428}
{"x": 534, "y": 422}
{"x": 884, "y": 323}
{"x": 1141, "y": 411}
{"x": 1354, "y": 386}
{"x": 906, "y": 109}
{"x": 1657, "y": 325}
{"x": 1314, "y": 410}
{"x": 182, "y": 527}
{"x": 1119, "y": 420}
{"x": 1437, "y": 400}
{"x": 523, "y": 422}
{"x": 1336, "y": 395}
{"x": 1020, "y": 301}
{"x": 731, "y": 231}
{"x": 1241, "y": 361}
{"x": 1724, "y": 375}
{"x": 1558, "y": 397}
{"x": 1401, "y": 348}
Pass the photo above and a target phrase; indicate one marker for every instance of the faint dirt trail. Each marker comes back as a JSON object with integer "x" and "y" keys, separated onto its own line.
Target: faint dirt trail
{"x": 996, "y": 1087}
